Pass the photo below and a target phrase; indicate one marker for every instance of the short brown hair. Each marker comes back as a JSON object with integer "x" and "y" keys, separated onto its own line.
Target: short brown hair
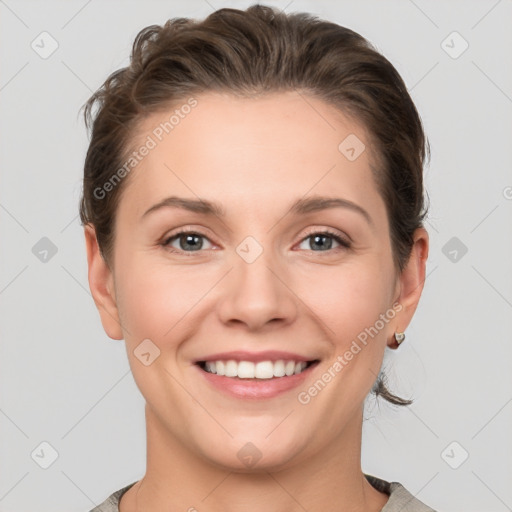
{"x": 252, "y": 52}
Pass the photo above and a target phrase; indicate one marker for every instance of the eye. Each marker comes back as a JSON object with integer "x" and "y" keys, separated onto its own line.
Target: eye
{"x": 188, "y": 241}
{"x": 192, "y": 241}
{"x": 323, "y": 239}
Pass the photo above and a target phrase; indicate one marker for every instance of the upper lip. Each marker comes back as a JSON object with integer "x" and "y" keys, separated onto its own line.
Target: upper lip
{"x": 267, "y": 355}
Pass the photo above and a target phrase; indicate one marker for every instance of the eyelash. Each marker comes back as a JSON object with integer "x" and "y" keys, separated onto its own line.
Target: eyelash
{"x": 345, "y": 244}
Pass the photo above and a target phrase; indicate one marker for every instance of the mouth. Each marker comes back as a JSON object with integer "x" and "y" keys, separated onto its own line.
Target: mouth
{"x": 261, "y": 370}
{"x": 263, "y": 379}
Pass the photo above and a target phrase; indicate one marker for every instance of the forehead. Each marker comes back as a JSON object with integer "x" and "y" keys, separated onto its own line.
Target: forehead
{"x": 243, "y": 148}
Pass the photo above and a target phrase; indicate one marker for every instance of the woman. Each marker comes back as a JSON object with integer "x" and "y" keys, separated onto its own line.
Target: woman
{"x": 253, "y": 207}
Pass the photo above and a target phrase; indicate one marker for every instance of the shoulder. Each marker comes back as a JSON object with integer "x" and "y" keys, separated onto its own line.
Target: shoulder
{"x": 111, "y": 504}
{"x": 399, "y": 496}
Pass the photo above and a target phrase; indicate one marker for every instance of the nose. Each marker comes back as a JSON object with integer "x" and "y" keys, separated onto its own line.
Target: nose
{"x": 257, "y": 295}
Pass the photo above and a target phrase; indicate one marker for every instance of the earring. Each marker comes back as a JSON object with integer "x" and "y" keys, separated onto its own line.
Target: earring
{"x": 399, "y": 337}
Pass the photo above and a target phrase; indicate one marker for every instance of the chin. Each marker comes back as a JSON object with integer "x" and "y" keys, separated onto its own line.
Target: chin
{"x": 254, "y": 453}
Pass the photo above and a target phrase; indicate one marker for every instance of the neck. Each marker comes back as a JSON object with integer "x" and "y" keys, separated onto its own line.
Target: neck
{"x": 177, "y": 479}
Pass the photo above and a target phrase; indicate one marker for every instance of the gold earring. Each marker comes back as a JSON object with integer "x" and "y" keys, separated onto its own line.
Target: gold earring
{"x": 399, "y": 337}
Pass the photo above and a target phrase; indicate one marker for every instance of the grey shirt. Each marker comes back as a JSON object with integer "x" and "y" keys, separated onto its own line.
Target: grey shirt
{"x": 400, "y": 499}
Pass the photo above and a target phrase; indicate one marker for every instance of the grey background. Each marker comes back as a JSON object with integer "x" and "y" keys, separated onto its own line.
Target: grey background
{"x": 64, "y": 382}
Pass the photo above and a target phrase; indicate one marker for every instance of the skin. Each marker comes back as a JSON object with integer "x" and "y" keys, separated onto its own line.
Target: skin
{"x": 255, "y": 157}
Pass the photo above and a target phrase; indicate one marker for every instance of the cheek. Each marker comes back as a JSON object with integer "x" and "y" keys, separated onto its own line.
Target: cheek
{"x": 349, "y": 298}
{"x": 154, "y": 298}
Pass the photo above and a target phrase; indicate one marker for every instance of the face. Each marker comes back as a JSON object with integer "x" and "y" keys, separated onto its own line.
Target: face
{"x": 270, "y": 277}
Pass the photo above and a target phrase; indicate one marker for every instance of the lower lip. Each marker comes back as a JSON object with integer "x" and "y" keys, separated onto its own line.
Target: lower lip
{"x": 256, "y": 388}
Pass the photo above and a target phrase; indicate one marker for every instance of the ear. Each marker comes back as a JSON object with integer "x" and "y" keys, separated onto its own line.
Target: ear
{"x": 411, "y": 281}
{"x": 101, "y": 284}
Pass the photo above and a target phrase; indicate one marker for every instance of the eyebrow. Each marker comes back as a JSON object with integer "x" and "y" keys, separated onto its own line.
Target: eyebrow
{"x": 299, "y": 207}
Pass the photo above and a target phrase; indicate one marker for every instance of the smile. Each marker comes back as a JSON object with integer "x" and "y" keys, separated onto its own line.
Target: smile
{"x": 255, "y": 379}
{"x": 252, "y": 370}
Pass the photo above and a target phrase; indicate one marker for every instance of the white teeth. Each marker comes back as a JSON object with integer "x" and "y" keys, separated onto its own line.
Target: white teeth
{"x": 231, "y": 368}
{"x": 299, "y": 367}
{"x": 279, "y": 369}
{"x": 245, "y": 370}
{"x": 264, "y": 370}
{"x": 289, "y": 368}
{"x": 260, "y": 370}
{"x": 219, "y": 366}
